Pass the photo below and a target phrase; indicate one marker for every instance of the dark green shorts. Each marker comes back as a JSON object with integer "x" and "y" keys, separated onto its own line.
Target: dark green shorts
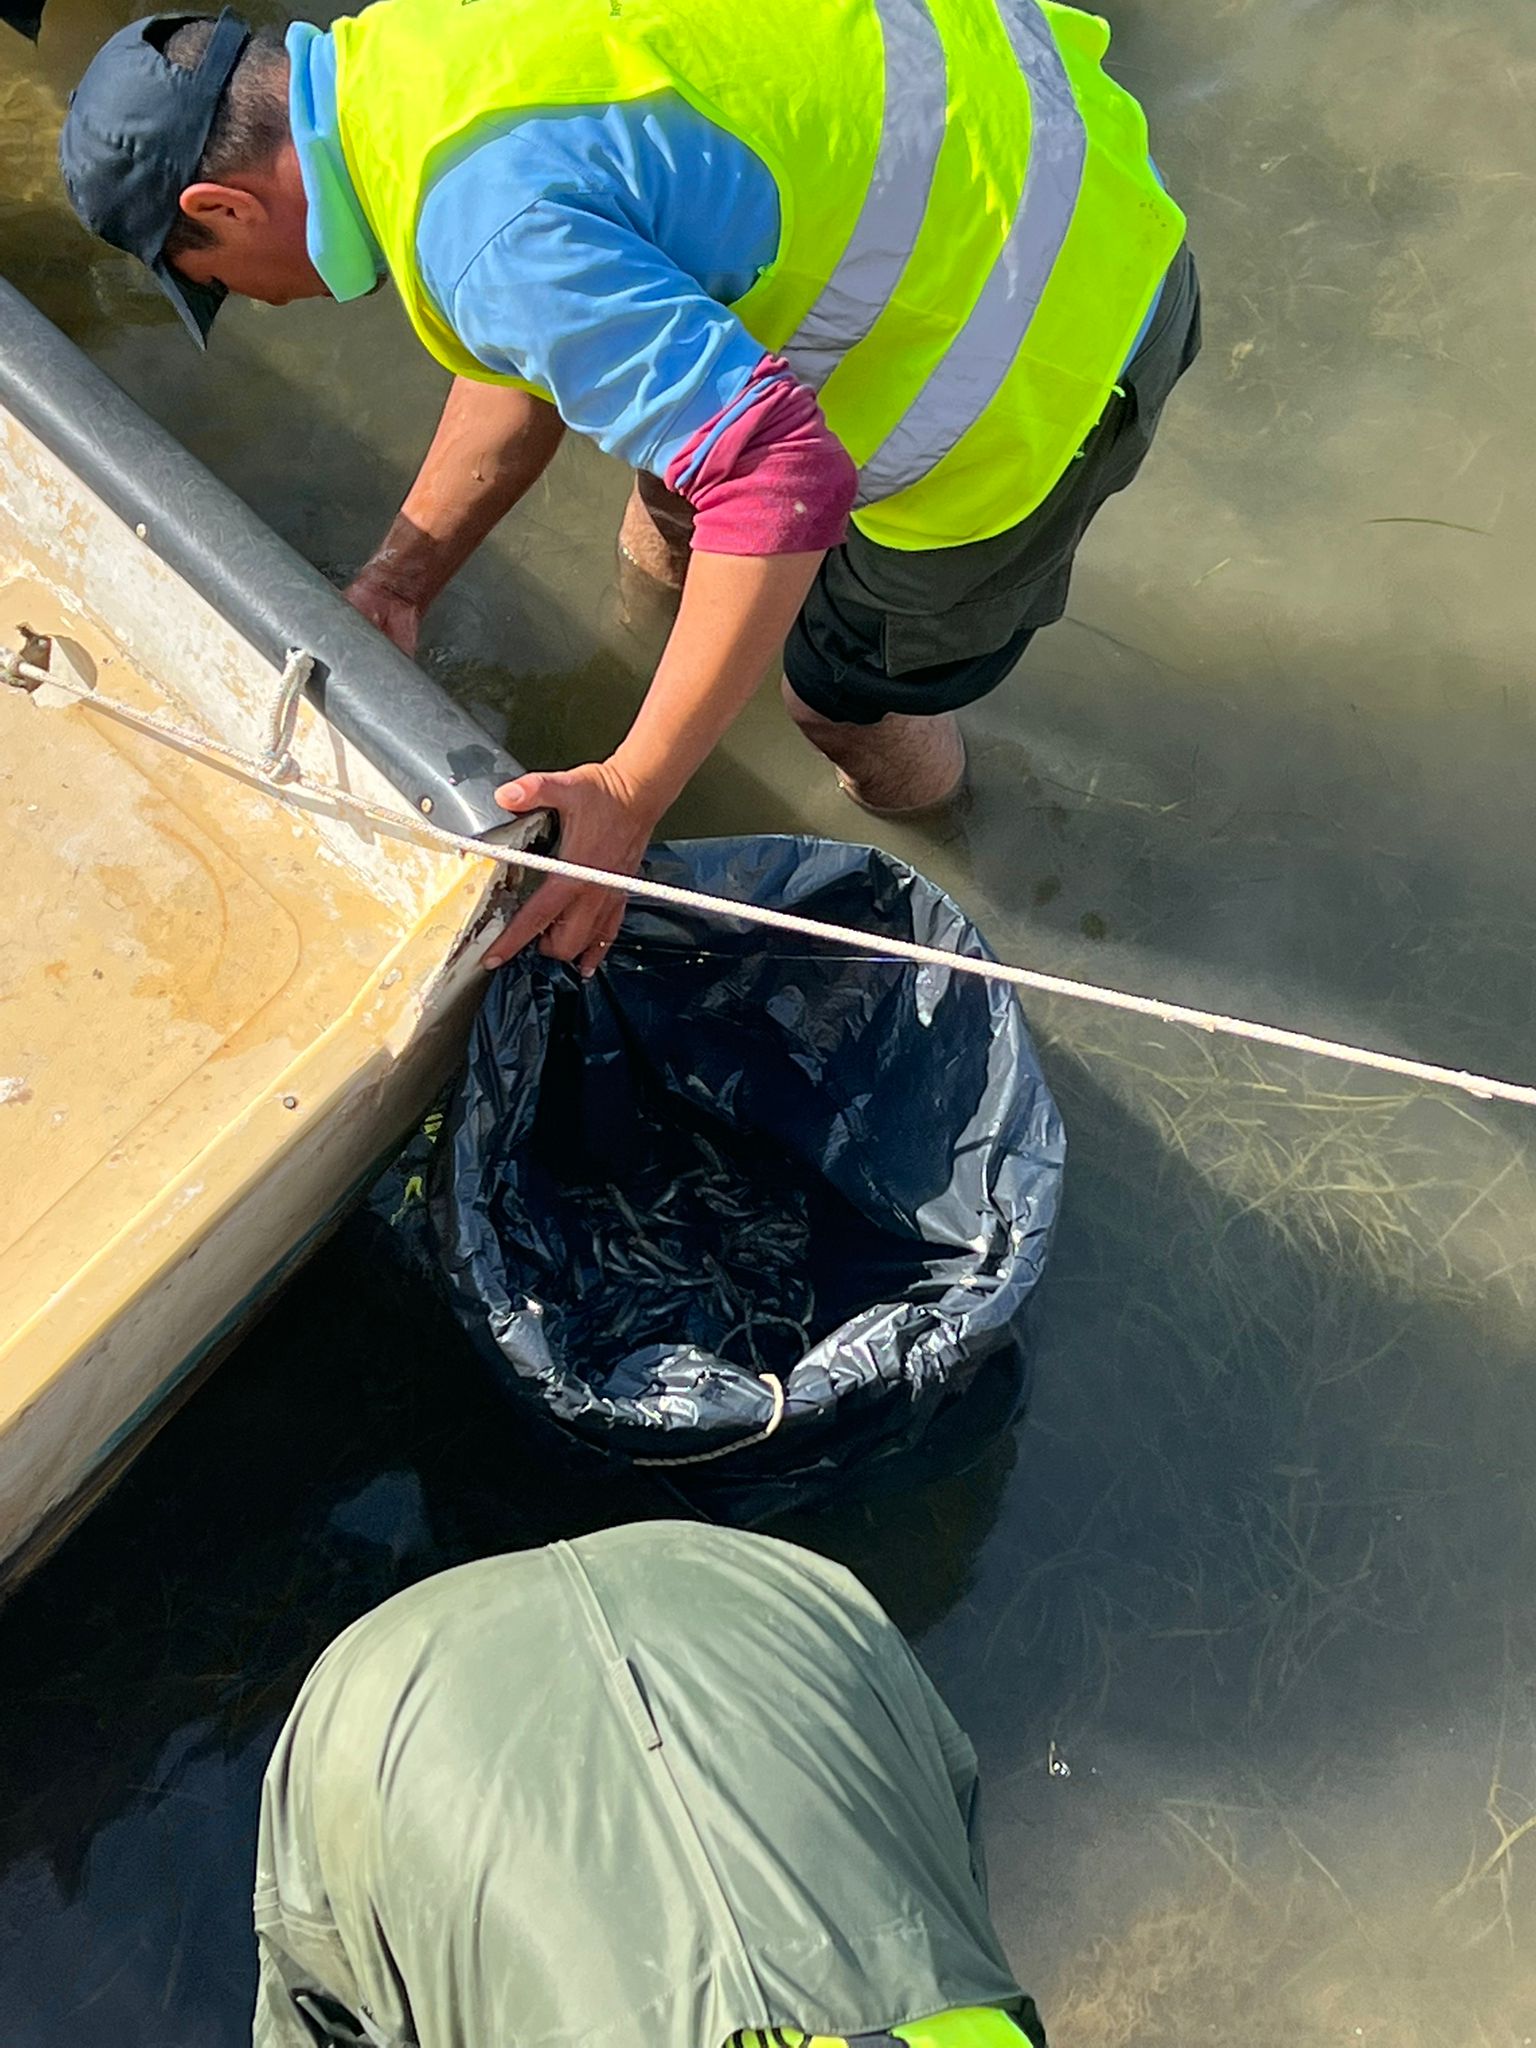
{"x": 931, "y": 629}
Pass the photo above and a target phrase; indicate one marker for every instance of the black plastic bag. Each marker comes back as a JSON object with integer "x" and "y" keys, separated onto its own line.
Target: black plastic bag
{"x": 761, "y": 1213}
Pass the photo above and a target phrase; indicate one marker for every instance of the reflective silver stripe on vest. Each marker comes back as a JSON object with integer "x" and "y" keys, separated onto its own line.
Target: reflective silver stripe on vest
{"x": 966, "y": 379}
{"x": 911, "y": 133}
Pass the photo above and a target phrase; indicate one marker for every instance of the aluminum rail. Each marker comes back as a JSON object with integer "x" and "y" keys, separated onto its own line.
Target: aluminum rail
{"x": 426, "y": 746}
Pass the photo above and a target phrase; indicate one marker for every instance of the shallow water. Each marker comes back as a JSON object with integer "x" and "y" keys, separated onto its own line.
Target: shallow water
{"x": 1241, "y": 1619}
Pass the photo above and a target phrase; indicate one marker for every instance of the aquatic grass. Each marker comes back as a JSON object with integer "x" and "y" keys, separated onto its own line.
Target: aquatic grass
{"x": 1265, "y": 1942}
{"x": 1511, "y": 1815}
{"x": 1311, "y": 1294}
{"x": 30, "y": 113}
{"x": 1120, "y": 1989}
{"x": 1283, "y": 1249}
{"x": 1401, "y": 1188}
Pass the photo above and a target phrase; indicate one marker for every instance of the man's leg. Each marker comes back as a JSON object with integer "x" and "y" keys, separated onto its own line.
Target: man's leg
{"x": 887, "y": 647}
{"x": 656, "y": 534}
{"x": 891, "y": 643}
{"x": 896, "y": 767}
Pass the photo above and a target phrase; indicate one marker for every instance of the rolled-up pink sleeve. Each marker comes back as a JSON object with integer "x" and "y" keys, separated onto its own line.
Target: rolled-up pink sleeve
{"x": 768, "y": 476}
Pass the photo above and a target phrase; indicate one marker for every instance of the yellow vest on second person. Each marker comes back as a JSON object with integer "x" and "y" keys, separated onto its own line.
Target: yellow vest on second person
{"x": 970, "y": 230}
{"x": 965, "y": 2027}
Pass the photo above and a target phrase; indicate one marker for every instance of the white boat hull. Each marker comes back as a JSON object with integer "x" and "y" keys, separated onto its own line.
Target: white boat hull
{"x": 221, "y": 1009}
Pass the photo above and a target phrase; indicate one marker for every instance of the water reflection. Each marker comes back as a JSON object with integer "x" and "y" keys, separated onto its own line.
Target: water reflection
{"x": 1255, "y": 1572}
{"x": 347, "y": 1450}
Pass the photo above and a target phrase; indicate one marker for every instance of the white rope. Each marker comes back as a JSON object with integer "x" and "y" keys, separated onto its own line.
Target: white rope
{"x": 742, "y": 1443}
{"x": 1485, "y": 1087}
{"x": 277, "y": 758}
{"x": 274, "y": 768}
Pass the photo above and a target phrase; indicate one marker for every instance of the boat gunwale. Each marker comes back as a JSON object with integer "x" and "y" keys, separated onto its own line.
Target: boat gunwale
{"x": 425, "y": 744}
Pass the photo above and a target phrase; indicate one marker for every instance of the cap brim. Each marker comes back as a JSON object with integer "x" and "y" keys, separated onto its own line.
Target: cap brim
{"x": 196, "y": 303}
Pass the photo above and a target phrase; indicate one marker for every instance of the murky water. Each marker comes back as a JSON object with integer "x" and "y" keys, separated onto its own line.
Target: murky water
{"x": 1242, "y": 1620}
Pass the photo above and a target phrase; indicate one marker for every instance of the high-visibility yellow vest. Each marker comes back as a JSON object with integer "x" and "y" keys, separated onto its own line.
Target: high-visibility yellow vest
{"x": 970, "y": 231}
{"x": 964, "y": 2027}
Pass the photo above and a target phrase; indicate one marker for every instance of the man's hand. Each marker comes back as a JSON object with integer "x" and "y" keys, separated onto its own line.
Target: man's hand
{"x": 397, "y": 618}
{"x": 605, "y": 822}
{"x": 492, "y": 442}
{"x": 735, "y": 611}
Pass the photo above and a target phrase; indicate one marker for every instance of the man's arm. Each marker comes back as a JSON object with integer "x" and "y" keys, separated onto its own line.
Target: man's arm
{"x": 736, "y": 609}
{"x": 492, "y": 444}
{"x": 568, "y": 293}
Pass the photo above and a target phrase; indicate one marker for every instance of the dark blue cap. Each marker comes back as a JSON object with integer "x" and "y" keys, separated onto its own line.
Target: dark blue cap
{"x": 133, "y": 138}
{"x": 26, "y": 15}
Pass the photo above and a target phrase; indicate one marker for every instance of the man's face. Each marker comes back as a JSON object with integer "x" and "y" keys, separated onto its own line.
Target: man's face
{"x": 263, "y": 265}
{"x": 259, "y": 248}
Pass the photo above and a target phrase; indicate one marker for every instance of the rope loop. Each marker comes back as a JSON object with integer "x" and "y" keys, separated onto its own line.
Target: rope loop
{"x": 746, "y": 1443}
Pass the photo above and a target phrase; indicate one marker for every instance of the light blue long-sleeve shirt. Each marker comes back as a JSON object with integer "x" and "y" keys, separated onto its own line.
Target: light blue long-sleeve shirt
{"x": 593, "y": 251}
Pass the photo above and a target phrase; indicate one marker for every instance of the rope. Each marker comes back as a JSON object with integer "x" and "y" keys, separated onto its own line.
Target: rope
{"x": 260, "y": 769}
{"x": 277, "y": 757}
{"x": 742, "y": 1443}
{"x": 274, "y": 767}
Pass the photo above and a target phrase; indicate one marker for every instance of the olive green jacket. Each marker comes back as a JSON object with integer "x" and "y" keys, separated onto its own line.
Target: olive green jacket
{"x": 636, "y": 1791}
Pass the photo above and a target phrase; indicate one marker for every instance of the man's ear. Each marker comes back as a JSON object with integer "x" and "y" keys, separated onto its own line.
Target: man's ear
{"x": 210, "y": 205}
